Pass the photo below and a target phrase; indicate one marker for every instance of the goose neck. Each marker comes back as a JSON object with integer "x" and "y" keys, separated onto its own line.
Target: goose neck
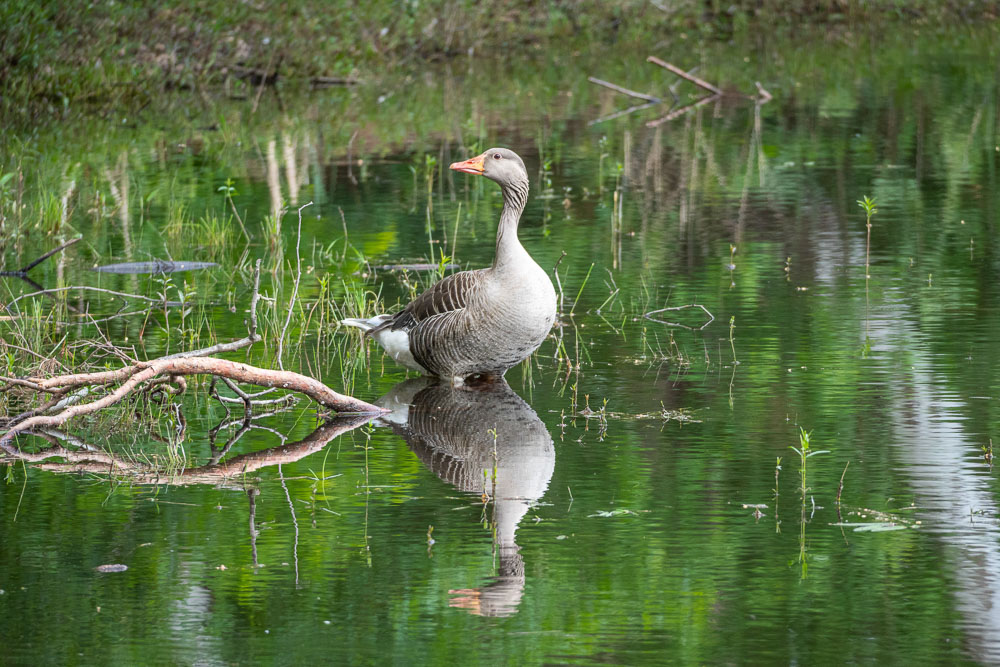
{"x": 509, "y": 248}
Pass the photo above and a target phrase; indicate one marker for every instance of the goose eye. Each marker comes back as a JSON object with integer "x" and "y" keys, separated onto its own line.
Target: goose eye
{"x": 496, "y": 156}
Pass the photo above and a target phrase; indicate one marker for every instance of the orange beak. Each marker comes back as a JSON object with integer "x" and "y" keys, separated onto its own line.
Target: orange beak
{"x": 474, "y": 165}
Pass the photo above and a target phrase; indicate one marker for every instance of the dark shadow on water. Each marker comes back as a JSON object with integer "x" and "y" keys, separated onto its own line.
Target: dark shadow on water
{"x": 481, "y": 439}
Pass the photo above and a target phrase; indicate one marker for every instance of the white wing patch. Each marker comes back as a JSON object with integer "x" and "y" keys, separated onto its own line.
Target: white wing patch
{"x": 397, "y": 344}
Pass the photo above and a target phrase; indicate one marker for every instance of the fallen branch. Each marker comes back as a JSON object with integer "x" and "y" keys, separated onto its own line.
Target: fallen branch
{"x": 145, "y": 372}
{"x": 142, "y": 375}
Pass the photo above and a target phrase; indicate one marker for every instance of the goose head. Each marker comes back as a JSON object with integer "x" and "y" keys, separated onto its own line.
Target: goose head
{"x": 497, "y": 164}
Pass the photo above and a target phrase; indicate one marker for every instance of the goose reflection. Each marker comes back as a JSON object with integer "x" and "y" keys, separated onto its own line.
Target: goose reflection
{"x": 453, "y": 431}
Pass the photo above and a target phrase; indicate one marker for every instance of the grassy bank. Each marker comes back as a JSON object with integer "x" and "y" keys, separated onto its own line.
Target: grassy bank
{"x": 56, "y": 55}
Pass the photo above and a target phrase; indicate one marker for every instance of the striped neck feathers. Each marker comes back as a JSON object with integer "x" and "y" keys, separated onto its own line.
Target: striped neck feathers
{"x": 509, "y": 248}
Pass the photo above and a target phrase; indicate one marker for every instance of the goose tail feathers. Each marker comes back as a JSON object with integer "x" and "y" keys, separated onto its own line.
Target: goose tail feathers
{"x": 365, "y": 325}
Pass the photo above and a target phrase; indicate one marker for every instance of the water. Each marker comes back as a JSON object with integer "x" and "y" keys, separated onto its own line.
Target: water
{"x": 646, "y": 529}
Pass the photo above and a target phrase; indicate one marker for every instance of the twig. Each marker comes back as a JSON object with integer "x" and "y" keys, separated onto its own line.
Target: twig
{"x": 711, "y": 318}
{"x": 263, "y": 81}
{"x": 287, "y": 398}
{"x": 840, "y": 487}
{"x": 555, "y": 272}
{"x": 701, "y": 83}
{"x": 247, "y": 404}
{"x": 232, "y": 205}
{"x": 324, "y": 81}
{"x": 20, "y": 382}
{"x": 295, "y": 288}
{"x": 295, "y": 523}
{"x": 87, "y": 288}
{"x": 624, "y": 91}
{"x": 32, "y": 352}
{"x": 251, "y": 337}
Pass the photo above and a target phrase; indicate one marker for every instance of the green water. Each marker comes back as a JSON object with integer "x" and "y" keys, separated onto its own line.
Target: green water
{"x": 646, "y": 529}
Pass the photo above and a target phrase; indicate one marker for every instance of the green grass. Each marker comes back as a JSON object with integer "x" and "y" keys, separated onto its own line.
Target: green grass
{"x": 109, "y": 57}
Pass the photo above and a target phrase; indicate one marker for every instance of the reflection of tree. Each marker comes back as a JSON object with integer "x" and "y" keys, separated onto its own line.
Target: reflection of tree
{"x": 486, "y": 440}
{"x": 81, "y": 457}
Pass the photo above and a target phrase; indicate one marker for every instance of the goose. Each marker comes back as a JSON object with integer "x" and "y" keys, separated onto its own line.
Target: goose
{"x": 480, "y": 322}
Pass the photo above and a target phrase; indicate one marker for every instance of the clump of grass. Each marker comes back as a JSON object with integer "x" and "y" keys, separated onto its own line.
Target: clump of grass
{"x": 215, "y": 233}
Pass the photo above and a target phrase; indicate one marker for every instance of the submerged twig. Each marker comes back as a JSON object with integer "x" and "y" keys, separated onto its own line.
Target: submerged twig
{"x": 711, "y": 318}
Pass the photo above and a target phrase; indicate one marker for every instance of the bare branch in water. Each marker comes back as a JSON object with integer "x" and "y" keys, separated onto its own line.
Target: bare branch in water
{"x": 143, "y": 375}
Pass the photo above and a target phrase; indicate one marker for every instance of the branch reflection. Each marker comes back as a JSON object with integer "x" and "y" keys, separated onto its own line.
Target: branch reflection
{"x": 81, "y": 457}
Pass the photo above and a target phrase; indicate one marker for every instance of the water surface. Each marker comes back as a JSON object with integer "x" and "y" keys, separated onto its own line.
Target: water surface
{"x": 631, "y": 512}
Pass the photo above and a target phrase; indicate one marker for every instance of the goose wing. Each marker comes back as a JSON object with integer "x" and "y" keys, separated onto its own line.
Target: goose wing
{"x": 448, "y": 295}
